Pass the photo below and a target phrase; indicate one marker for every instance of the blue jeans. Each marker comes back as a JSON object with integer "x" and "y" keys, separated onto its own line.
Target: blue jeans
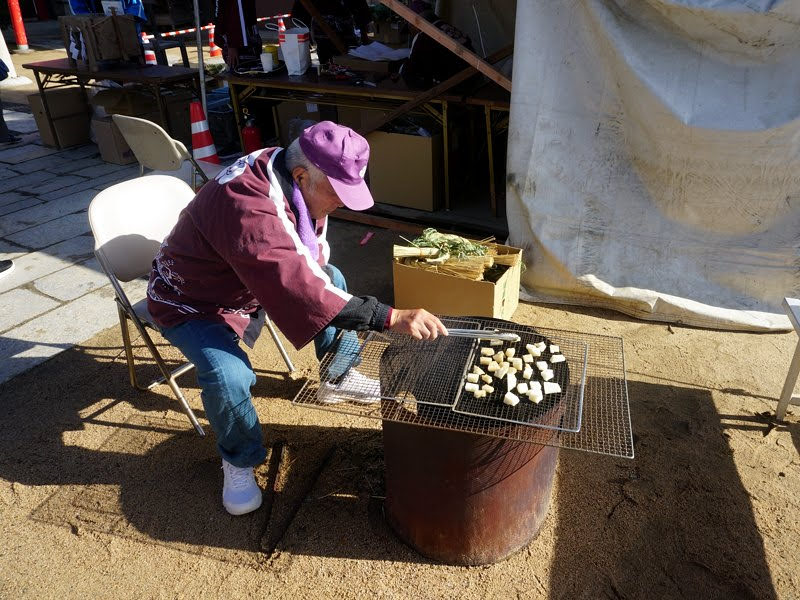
{"x": 225, "y": 376}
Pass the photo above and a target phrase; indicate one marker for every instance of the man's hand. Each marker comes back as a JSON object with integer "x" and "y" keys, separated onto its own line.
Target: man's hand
{"x": 418, "y": 323}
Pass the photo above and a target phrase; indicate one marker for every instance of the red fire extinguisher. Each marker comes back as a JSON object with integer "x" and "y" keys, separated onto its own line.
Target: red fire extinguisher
{"x": 251, "y": 136}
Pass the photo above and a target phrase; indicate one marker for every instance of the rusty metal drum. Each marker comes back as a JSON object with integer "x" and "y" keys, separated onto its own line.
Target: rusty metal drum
{"x": 462, "y": 498}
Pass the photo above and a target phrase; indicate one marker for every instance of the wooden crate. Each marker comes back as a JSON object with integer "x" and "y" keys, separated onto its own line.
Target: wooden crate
{"x": 94, "y": 42}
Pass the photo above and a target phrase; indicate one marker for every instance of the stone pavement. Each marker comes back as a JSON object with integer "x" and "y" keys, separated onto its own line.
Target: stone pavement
{"x": 57, "y": 296}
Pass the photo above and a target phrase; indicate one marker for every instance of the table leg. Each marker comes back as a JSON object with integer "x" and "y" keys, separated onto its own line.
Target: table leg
{"x": 162, "y": 108}
{"x": 788, "y": 386}
{"x": 446, "y": 153}
{"x": 46, "y": 107}
{"x": 490, "y": 151}
{"x": 236, "y": 112}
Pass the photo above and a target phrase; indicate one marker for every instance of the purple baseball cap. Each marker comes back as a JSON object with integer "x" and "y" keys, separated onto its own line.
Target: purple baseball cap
{"x": 342, "y": 155}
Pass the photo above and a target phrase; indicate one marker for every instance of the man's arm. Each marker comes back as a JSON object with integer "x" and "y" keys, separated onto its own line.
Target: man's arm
{"x": 365, "y": 312}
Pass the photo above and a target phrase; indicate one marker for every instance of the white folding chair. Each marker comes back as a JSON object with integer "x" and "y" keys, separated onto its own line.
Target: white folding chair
{"x": 129, "y": 221}
{"x": 792, "y": 306}
{"x": 155, "y": 149}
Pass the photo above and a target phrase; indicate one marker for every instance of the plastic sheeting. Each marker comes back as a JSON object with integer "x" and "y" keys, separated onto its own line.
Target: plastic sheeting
{"x": 654, "y": 157}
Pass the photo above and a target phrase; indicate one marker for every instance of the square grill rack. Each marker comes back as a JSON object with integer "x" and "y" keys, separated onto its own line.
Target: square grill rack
{"x": 422, "y": 383}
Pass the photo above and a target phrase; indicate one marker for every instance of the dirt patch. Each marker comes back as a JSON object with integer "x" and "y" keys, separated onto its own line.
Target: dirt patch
{"x": 108, "y": 492}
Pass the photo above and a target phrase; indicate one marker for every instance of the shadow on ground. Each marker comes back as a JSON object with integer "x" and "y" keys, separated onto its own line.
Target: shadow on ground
{"x": 676, "y": 522}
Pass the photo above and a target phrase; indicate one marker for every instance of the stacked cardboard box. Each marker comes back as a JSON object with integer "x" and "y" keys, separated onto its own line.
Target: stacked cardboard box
{"x": 70, "y": 115}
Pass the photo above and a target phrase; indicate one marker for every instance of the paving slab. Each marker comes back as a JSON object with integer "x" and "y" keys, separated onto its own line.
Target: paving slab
{"x": 11, "y": 197}
{"x": 45, "y": 336}
{"x": 34, "y": 265}
{"x": 20, "y": 121}
{"x": 54, "y": 182}
{"x": 99, "y": 170}
{"x": 25, "y": 202}
{"x": 5, "y": 173}
{"x": 24, "y": 153}
{"x": 28, "y": 179}
{"x": 31, "y": 217}
{"x": 20, "y": 305}
{"x": 65, "y": 166}
{"x": 73, "y": 282}
{"x": 80, "y": 151}
{"x": 8, "y": 251}
{"x": 52, "y": 232}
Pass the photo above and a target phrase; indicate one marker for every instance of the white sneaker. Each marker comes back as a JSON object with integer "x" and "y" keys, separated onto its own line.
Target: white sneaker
{"x": 353, "y": 386}
{"x": 240, "y": 493}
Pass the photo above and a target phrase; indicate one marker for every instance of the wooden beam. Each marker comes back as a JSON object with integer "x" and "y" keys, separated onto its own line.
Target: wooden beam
{"x": 445, "y": 40}
{"x": 327, "y": 29}
{"x": 435, "y": 91}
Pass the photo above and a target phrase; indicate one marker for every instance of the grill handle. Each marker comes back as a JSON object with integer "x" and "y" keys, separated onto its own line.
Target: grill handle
{"x": 485, "y": 334}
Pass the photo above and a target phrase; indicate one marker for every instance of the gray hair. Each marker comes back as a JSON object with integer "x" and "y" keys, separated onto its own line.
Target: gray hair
{"x": 295, "y": 157}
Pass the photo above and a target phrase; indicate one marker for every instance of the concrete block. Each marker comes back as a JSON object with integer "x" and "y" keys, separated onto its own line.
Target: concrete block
{"x": 52, "y": 232}
{"x": 30, "y": 217}
{"x": 20, "y": 305}
{"x": 45, "y": 336}
{"x": 73, "y": 282}
{"x": 34, "y": 265}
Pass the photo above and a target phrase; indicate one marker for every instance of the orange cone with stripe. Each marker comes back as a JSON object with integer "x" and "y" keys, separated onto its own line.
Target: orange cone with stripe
{"x": 202, "y": 144}
{"x": 281, "y": 24}
{"x": 149, "y": 54}
{"x": 213, "y": 49}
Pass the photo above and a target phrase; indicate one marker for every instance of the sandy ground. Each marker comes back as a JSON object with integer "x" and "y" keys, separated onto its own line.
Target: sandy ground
{"x": 107, "y": 492}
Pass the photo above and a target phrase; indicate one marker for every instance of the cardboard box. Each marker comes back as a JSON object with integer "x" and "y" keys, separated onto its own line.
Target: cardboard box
{"x": 455, "y": 296}
{"x": 94, "y": 42}
{"x": 70, "y": 114}
{"x": 359, "y": 119}
{"x": 406, "y": 170}
{"x": 390, "y": 32}
{"x": 291, "y": 116}
{"x": 113, "y": 147}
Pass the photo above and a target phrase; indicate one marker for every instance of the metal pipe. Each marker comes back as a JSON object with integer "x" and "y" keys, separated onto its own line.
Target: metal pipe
{"x": 19, "y": 25}
{"x": 200, "y": 67}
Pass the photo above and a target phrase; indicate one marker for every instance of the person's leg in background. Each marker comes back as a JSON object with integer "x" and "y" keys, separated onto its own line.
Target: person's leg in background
{"x": 225, "y": 377}
{"x": 6, "y": 137}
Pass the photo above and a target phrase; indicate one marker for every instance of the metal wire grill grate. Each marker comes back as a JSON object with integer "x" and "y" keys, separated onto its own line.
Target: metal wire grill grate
{"x": 419, "y": 381}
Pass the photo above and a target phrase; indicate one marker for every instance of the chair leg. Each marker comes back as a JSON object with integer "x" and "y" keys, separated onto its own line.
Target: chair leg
{"x": 169, "y": 378}
{"x": 788, "y": 386}
{"x": 279, "y": 344}
{"x": 126, "y": 342}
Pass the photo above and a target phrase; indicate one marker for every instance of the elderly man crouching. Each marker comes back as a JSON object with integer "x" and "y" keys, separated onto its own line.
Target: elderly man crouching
{"x": 255, "y": 238}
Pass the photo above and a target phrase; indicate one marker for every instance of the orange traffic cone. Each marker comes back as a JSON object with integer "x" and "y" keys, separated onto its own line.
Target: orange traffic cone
{"x": 149, "y": 54}
{"x": 202, "y": 144}
{"x": 213, "y": 49}
{"x": 281, "y": 24}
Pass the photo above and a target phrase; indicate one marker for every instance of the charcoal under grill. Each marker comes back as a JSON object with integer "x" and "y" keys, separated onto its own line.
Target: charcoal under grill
{"x": 468, "y": 480}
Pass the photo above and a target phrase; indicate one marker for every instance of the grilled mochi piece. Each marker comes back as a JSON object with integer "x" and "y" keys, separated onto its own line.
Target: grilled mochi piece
{"x": 511, "y": 399}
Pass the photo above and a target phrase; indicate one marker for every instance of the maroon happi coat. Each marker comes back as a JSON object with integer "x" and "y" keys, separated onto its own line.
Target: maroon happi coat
{"x": 235, "y": 247}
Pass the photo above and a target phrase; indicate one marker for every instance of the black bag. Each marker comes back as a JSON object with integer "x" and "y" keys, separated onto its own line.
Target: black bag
{"x": 3, "y": 71}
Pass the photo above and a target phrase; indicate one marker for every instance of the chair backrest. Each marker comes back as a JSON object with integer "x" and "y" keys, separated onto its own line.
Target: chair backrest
{"x": 152, "y": 146}
{"x": 129, "y": 221}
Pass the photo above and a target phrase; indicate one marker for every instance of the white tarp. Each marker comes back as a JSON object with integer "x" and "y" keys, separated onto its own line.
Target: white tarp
{"x": 654, "y": 157}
